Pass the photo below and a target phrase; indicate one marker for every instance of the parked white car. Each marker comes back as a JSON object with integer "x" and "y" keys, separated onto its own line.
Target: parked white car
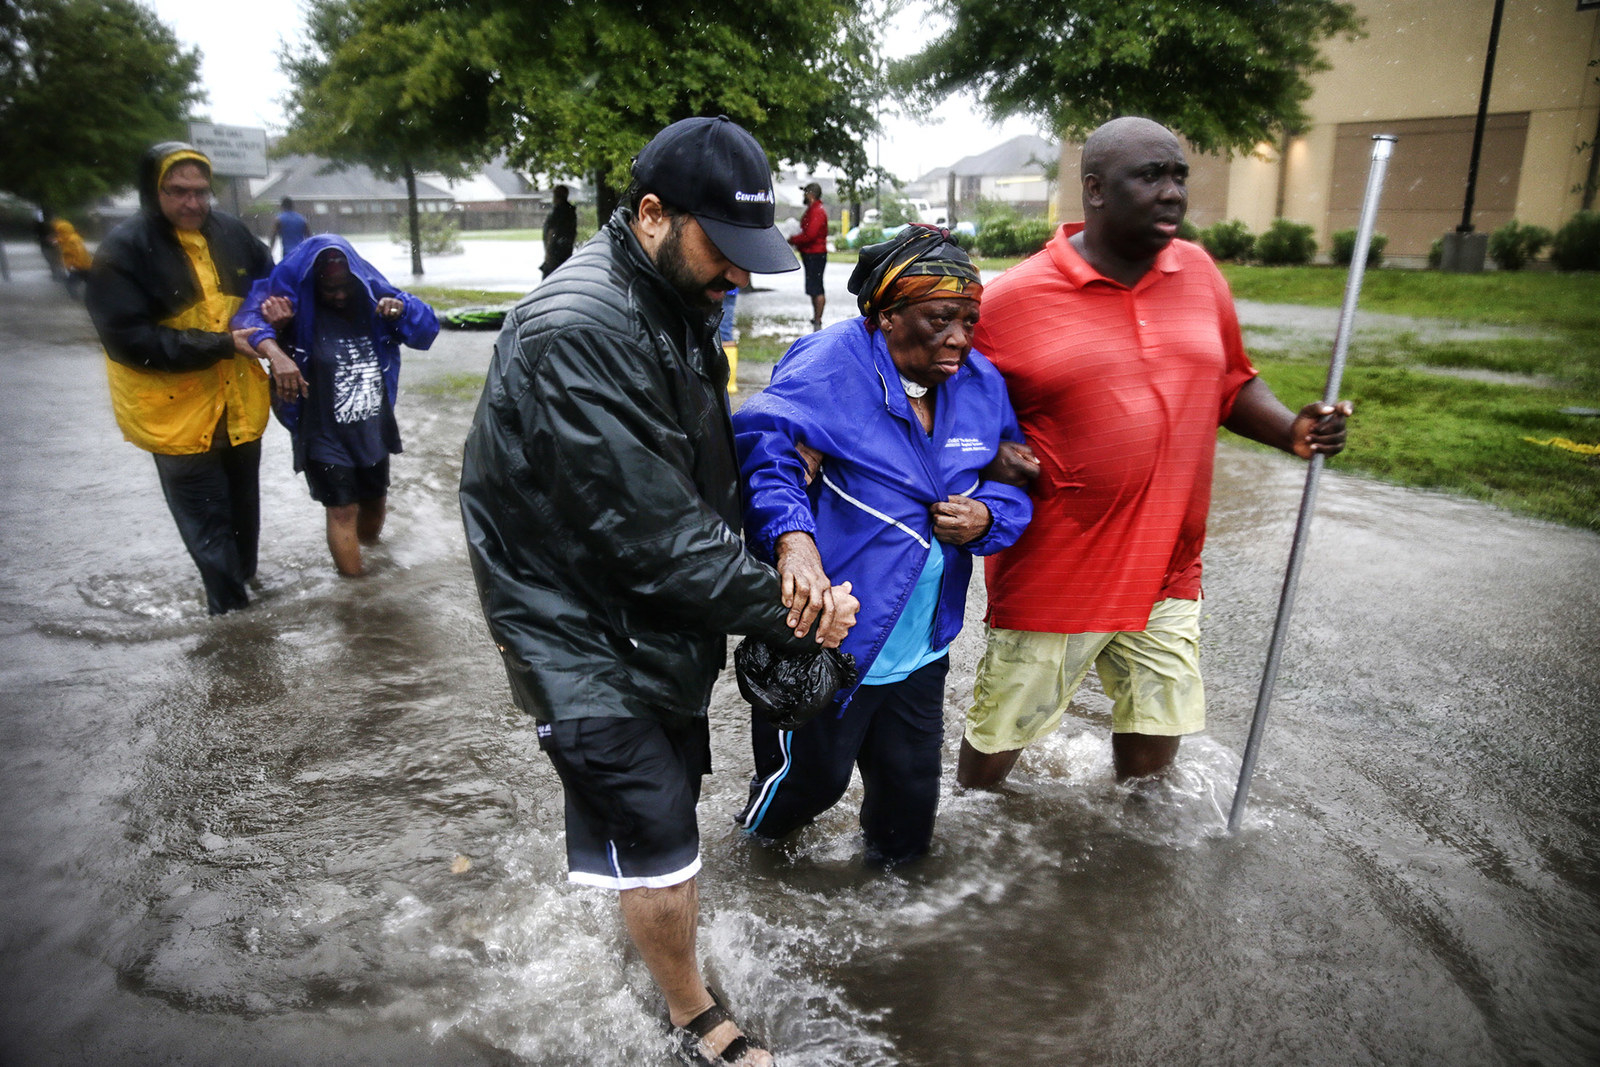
{"x": 926, "y": 212}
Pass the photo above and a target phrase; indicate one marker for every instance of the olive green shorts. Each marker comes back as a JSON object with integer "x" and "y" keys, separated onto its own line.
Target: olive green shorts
{"x": 1026, "y": 679}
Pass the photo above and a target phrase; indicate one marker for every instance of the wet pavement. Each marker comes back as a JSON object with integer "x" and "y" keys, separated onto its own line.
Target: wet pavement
{"x": 316, "y": 832}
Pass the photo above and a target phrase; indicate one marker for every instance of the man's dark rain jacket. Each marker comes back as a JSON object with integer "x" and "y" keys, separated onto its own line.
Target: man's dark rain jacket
{"x": 600, "y": 494}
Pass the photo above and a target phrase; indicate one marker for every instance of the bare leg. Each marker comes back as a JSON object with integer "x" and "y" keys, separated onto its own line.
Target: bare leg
{"x": 369, "y": 520}
{"x": 817, "y": 303}
{"x": 1142, "y": 755}
{"x": 663, "y": 924}
{"x": 342, "y": 540}
{"x": 983, "y": 770}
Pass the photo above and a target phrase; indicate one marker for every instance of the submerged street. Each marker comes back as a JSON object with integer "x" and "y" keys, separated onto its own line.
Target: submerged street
{"x": 317, "y": 832}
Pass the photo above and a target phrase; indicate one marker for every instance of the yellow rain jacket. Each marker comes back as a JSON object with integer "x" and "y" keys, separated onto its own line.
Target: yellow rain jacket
{"x": 161, "y": 299}
{"x": 74, "y": 254}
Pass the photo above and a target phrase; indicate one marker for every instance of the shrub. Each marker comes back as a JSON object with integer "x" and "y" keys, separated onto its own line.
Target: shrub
{"x": 1188, "y": 231}
{"x": 1008, "y": 237}
{"x": 1228, "y": 240}
{"x": 1344, "y": 248}
{"x": 436, "y": 232}
{"x": 867, "y": 235}
{"x": 1512, "y": 245}
{"x": 898, "y": 213}
{"x": 1577, "y": 244}
{"x": 1436, "y": 253}
{"x": 1286, "y": 244}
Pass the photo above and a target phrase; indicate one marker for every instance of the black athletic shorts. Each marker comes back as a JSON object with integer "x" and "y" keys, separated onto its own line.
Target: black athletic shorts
{"x": 813, "y": 263}
{"x": 631, "y": 787}
{"x": 335, "y": 486}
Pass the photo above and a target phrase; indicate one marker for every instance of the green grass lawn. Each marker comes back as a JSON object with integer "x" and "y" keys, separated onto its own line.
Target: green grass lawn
{"x": 1540, "y": 299}
{"x": 1421, "y": 419}
{"x": 443, "y": 298}
{"x": 501, "y": 235}
{"x": 1421, "y": 422}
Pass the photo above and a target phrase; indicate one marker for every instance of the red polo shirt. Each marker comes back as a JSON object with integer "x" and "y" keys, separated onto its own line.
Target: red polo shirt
{"x": 813, "y": 235}
{"x": 1120, "y": 392}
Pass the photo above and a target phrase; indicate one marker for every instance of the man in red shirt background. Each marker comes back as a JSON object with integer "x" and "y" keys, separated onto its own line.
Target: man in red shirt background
{"x": 812, "y": 244}
{"x": 1122, "y": 353}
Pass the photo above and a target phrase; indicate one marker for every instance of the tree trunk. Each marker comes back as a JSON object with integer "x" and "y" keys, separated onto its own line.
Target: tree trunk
{"x": 416, "y": 223}
{"x": 606, "y": 198}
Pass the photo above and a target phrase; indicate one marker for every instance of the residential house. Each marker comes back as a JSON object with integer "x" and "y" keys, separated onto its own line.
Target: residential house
{"x": 346, "y": 200}
{"x": 1016, "y": 173}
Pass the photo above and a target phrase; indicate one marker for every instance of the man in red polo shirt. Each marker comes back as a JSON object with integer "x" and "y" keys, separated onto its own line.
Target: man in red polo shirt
{"x": 1122, "y": 353}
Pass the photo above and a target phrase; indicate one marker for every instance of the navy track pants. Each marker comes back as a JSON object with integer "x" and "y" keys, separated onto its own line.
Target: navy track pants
{"x": 894, "y": 733}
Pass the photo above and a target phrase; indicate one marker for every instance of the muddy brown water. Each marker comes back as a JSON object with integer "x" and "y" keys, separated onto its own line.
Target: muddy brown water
{"x": 316, "y": 832}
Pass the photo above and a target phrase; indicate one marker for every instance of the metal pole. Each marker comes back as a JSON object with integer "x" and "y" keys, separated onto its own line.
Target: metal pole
{"x": 1483, "y": 117}
{"x": 1382, "y": 145}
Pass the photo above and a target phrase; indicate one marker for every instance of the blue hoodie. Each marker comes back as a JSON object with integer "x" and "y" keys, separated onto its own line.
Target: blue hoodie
{"x": 295, "y": 279}
{"x": 838, "y": 392}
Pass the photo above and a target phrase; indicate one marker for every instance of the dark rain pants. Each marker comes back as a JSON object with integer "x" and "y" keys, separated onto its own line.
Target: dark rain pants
{"x": 215, "y": 498}
{"x": 893, "y": 733}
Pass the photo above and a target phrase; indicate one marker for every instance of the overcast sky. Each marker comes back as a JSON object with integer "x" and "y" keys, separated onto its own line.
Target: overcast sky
{"x": 245, "y": 87}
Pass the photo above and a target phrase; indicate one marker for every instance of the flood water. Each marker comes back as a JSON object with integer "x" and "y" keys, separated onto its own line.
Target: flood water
{"x": 317, "y": 832}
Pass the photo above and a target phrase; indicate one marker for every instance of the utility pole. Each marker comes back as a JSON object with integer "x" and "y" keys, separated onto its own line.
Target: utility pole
{"x": 1465, "y": 254}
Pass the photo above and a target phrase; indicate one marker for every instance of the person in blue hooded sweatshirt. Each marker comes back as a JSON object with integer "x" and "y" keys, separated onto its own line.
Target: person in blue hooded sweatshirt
{"x": 331, "y": 327}
{"x": 868, "y": 459}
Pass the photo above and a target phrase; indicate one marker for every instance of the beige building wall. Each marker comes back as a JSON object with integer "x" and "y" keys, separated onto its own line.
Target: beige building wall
{"x": 1417, "y": 73}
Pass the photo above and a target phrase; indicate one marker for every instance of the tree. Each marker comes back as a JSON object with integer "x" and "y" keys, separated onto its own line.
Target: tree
{"x": 85, "y": 87}
{"x": 577, "y": 87}
{"x": 1226, "y": 74}
{"x": 588, "y": 82}
{"x": 399, "y": 86}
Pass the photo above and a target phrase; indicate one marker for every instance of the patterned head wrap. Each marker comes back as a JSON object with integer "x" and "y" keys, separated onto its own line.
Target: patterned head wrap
{"x": 919, "y": 263}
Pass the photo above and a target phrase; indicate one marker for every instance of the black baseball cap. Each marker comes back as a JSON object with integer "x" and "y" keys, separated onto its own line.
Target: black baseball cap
{"x": 714, "y": 170}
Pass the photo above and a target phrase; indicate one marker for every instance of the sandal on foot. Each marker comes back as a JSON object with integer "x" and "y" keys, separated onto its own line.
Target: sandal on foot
{"x": 690, "y": 1048}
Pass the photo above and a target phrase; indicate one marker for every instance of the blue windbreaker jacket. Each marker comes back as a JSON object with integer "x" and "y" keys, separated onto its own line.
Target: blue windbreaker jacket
{"x": 838, "y": 392}
{"x": 293, "y": 278}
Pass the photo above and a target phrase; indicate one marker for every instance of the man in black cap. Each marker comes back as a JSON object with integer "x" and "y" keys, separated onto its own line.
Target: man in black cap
{"x": 599, "y": 493}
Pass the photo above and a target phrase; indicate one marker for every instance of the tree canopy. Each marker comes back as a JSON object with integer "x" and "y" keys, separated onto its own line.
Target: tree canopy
{"x": 85, "y": 87}
{"x": 592, "y": 82}
{"x": 576, "y": 87}
{"x": 386, "y": 83}
{"x": 1226, "y": 74}
{"x": 391, "y": 85}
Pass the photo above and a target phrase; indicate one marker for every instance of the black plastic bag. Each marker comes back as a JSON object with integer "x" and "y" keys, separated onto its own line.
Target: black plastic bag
{"x": 790, "y": 689}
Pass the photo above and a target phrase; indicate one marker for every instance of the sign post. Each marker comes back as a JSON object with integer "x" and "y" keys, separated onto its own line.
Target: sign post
{"x": 235, "y": 151}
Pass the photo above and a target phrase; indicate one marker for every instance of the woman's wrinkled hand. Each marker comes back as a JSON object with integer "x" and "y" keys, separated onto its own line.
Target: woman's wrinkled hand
{"x": 959, "y": 519}
{"x": 835, "y": 623}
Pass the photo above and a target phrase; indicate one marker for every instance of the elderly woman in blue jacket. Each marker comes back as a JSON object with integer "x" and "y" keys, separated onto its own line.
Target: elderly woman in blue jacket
{"x": 864, "y": 462}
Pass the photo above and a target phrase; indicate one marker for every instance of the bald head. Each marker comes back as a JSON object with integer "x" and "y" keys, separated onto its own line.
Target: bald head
{"x": 1134, "y": 195}
{"x": 1117, "y": 136}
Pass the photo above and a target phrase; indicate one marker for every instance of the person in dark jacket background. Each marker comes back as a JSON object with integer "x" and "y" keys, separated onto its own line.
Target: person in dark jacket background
{"x": 600, "y": 497}
{"x": 337, "y": 377}
{"x": 161, "y": 292}
{"x": 560, "y": 232}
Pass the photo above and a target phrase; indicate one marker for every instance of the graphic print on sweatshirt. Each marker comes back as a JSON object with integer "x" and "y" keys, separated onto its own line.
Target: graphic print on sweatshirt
{"x": 357, "y": 381}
